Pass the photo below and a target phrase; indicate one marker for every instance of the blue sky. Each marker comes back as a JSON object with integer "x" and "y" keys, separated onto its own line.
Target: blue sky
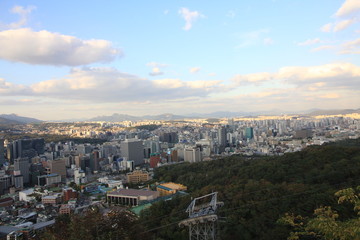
{"x": 78, "y": 59}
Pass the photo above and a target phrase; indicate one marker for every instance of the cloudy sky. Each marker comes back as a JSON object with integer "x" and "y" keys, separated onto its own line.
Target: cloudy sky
{"x": 79, "y": 59}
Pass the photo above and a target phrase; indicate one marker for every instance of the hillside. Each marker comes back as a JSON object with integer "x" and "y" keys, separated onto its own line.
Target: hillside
{"x": 6, "y": 121}
{"x": 257, "y": 192}
{"x": 16, "y": 119}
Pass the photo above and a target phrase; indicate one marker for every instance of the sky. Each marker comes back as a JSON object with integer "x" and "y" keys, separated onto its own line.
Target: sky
{"x": 81, "y": 59}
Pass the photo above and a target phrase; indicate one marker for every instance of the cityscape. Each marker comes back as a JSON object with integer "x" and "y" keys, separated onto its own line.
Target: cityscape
{"x": 42, "y": 180}
{"x": 179, "y": 120}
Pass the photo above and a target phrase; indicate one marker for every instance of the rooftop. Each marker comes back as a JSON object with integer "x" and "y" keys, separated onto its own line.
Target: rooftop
{"x": 132, "y": 192}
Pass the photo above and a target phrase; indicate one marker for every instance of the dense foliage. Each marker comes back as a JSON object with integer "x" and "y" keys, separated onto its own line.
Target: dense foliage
{"x": 259, "y": 191}
{"x": 96, "y": 225}
{"x": 326, "y": 223}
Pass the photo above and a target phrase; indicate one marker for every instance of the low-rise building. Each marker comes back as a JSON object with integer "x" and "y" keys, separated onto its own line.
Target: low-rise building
{"x": 138, "y": 176}
{"x": 26, "y": 195}
{"x": 130, "y": 197}
{"x": 51, "y": 199}
{"x": 65, "y": 209}
{"x": 170, "y": 188}
{"x": 49, "y": 179}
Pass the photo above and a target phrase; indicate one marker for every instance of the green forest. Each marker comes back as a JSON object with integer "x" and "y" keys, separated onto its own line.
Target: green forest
{"x": 311, "y": 194}
{"x": 260, "y": 193}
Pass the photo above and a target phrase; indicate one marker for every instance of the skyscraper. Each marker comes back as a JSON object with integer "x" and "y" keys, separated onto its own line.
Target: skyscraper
{"x": 94, "y": 160}
{"x": 23, "y": 165}
{"x": 28, "y": 147}
{"x": 249, "y": 133}
{"x": 222, "y": 139}
{"x": 58, "y": 166}
{"x": 133, "y": 150}
{"x": 2, "y": 157}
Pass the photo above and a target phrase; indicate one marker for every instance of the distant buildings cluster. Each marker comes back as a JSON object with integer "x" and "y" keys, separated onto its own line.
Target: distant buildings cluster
{"x": 31, "y": 168}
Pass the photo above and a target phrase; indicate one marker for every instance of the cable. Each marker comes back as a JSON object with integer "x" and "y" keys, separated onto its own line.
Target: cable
{"x": 243, "y": 206}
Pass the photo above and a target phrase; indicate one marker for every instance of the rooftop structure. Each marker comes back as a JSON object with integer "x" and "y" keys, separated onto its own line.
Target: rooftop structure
{"x": 131, "y": 196}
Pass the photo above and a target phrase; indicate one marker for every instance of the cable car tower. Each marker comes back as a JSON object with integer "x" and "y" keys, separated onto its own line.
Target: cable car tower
{"x": 202, "y": 217}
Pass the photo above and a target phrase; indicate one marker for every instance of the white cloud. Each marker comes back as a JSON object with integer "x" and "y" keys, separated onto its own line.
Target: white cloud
{"x": 338, "y": 26}
{"x": 47, "y": 48}
{"x": 156, "y": 72}
{"x": 343, "y": 24}
{"x": 324, "y": 47}
{"x": 10, "y": 89}
{"x": 348, "y": 7}
{"x": 350, "y": 47}
{"x": 330, "y": 96}
{"x": 335, "y": 75}
{"x": 190, "y": 17}
{"x": 110, "y": 85}
{"x": 156, "y": 68}
{"x": 23, "y": 13}
{"x": 194, "y": 69}
{"x": 335, "y": 72}
{"x": 309, "y": 42}
{"x": 253, "y": 78}
{"x": 327, "y": 27}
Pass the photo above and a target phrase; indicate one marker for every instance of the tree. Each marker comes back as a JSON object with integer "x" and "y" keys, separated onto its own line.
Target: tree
{"x": 326, "y": 223}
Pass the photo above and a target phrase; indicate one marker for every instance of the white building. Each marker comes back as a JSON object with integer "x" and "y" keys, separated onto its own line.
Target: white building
{"x": 25, "y": 195}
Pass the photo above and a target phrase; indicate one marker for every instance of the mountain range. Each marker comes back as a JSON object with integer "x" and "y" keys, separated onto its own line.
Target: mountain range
{"x": 116, "y": 117}
{"x": 16, "y": 119}
{"x": 221, "y": 114}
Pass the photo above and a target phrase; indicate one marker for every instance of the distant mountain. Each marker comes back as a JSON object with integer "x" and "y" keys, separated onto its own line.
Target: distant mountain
{"x": 220, "y": 114}
{"x": 7, "y": 121}
{"x": 334, "y": 112}
{"x": 115, "y": 118}
{"x": 165, "y": 116}
{"x": 15, "y": 119}
{"x": 124, "y": 117}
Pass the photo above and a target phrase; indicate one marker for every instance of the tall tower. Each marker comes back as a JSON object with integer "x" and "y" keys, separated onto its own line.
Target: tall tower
{"x": 202, "y": 217}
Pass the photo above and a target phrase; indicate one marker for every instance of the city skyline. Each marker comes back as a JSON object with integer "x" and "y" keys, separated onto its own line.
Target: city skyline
{"x": 62, "y": 60}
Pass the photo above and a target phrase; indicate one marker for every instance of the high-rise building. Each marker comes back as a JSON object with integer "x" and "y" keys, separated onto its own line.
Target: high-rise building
{"x": 192, "y": 154}
{"x": 249, "y": 133}
{"x": 94, "y": 161}
{"x": 170, "y": 137}
{"x": 222, "y": 139}
{"x": 2, "y": 157}
{"x": 58, "y": 166}
{"x": 28, "y": 148}
{"x": 23, "y": 165}
{"x": 133, "y": 149}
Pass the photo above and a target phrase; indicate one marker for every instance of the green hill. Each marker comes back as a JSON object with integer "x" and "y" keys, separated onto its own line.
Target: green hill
{"x": 258, "y": 191}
